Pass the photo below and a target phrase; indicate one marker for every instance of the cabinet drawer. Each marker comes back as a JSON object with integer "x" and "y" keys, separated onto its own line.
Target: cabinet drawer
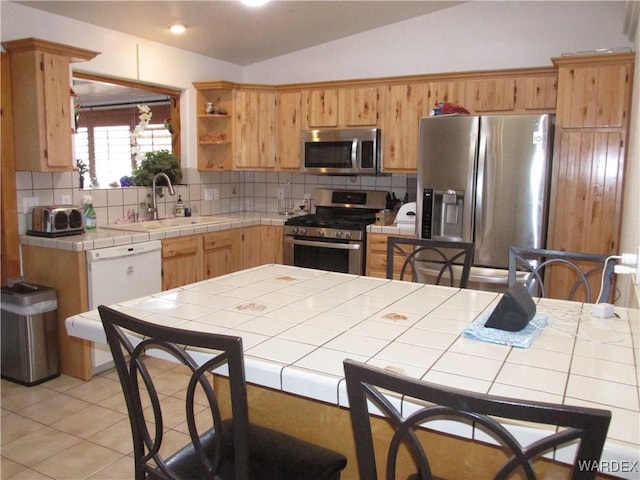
{"x": 180, "y": 246}
{"x": 217, "y": 240}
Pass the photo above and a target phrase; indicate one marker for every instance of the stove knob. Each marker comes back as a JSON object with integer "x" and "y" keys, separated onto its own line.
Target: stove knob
{"x": 321, "y": 233}
{"x": 347, "y": 234}
{"x": 339, "y": 234}
{"x": 294, "y": 230}
{"x": 302, "y": 230}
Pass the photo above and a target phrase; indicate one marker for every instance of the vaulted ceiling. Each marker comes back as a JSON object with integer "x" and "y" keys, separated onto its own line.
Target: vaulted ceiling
{"x": 228, "y": 30}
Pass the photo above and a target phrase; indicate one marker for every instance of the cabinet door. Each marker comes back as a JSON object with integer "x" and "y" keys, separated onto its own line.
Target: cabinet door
{"x": 255, "y": 129}
{"x": 181, "y": 261}
{"x": 377, "y": 257}
{"x": 271, "y": 244}
{"x": 222, "y": 252}
{"x": 42, "y": 111}
{"x": 459, "y": 92}
{"x": 587, "y": 194}
{"x": 358, "y": 107}
{"x": 494, "y": 95}
{"x": 321, "y": 108}
{"x": 289, "y": 126}
{"x": 594, "y": 95}
{"x": 540, "y": 93}
{"x": 402, "y": 106}
{"x": 57, "y": 111}
{"x": 252, "y": 247}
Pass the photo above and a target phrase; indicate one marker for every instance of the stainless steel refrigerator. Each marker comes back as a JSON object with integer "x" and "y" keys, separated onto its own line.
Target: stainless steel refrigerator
{"x": 485, "y": 179}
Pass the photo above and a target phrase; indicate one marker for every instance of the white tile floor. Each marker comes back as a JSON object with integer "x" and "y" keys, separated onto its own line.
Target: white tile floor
{"x": 67, "y": 429}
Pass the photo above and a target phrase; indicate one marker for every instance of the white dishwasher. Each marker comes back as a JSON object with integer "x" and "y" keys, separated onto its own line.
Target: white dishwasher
{"x": 117, "y": 274}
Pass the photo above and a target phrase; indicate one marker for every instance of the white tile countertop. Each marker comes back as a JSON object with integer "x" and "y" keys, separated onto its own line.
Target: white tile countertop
{"x": 298, "y": 325}
{"x": 104, "y": 237}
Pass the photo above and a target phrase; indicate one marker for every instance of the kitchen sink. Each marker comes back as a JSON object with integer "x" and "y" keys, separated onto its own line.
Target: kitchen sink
{"x": 167, "y": 223}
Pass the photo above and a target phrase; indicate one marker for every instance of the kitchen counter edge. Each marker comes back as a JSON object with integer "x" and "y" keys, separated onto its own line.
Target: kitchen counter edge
{"x": 103, "y": 238}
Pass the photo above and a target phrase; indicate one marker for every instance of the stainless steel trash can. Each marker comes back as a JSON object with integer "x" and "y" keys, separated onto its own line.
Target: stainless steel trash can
{"x": 29, "y": 334}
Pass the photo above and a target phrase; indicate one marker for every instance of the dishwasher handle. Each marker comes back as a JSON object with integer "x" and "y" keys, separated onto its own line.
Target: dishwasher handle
{"x": 120, "y": 251}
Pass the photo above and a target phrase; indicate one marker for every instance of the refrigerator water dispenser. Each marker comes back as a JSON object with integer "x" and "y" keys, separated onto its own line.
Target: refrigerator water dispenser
{"x": 442, "y": 217}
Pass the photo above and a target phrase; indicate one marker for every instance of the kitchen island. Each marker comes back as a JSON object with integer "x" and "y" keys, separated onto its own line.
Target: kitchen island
{"x": 298, "y": 325}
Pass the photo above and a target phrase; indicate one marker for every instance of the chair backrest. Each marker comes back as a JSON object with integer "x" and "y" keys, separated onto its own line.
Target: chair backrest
{"x": 130, "y": 341}
{"x": 565, "y": 275}
{"x": 430, "y": 261}
{"x": 368, "y": 385}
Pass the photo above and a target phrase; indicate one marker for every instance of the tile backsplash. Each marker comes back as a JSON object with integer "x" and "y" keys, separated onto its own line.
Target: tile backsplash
{"x": 233, "y": 192}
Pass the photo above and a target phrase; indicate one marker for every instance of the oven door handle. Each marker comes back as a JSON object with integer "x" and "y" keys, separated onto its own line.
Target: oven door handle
{"x": 340, "y": 246}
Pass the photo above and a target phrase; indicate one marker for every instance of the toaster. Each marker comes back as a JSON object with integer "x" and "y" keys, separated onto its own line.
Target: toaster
{"x": 56, "y": 221}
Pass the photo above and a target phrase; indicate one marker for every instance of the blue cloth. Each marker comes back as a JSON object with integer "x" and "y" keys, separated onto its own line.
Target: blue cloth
{"x": 523, "y": 338}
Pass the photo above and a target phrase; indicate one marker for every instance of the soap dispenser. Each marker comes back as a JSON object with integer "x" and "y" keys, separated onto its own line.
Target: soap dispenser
{"x": 179, "y": 212}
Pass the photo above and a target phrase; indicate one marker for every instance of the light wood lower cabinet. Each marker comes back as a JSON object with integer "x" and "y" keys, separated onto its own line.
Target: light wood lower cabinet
{"x": 197, "y": 257}
{"x": 181, "y": 261}
{"x": 261, "y": 245}
{"x": 66, "y": 271}
{"x": 377, "y": 256}
{"x": 222, "y": 252}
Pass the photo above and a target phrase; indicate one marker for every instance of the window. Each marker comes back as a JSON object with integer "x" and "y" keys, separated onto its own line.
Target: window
{"x": 103, "y": 141}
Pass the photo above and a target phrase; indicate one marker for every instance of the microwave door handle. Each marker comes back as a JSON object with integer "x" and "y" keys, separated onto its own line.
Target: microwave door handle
{"x": 354, "y": 153}
{"x": 339, "y": 246}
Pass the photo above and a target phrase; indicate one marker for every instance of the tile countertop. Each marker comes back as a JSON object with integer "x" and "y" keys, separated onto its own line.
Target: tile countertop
{"x": 298, "y": 325}
{"x": 103, "y": 237}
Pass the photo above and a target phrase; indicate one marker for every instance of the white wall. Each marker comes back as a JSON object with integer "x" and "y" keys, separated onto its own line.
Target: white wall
{"x": 472, "y": 36}
{"x": 630, "y": 236}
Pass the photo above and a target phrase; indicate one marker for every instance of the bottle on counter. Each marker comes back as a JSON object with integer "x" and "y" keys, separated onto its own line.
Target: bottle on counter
{"x": 90, "y": 219}
{"x": 285, "y": 201}
{"x": 179, "y": 211}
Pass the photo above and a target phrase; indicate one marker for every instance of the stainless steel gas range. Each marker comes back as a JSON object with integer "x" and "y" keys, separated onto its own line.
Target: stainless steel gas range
{"x": 333, "y": 238}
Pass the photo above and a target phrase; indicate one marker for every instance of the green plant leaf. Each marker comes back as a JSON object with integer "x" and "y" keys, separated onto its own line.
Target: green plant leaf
{"x": 158, "y": 161}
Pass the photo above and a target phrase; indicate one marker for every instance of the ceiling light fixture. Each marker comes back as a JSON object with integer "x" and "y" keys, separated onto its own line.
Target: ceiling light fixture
{"x": 178, "y": 28}
{"x": 254, "y": 3}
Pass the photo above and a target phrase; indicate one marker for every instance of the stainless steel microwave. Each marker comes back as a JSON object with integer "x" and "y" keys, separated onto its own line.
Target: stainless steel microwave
{"x": 353, "y": 151}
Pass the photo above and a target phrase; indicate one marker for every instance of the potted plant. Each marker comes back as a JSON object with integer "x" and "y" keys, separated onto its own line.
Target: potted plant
{"x": 156, "y": 162}
{"x": 82, "y": 169}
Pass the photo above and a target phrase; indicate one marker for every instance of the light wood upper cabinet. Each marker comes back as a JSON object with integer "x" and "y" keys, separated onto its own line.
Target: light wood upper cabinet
{"x": 539, "y": 93}
{"x": 401, "y": 107}
{"x": 595, "y": 91}
{"x": 42, "y": 103}
{"x": 494, "y": 95}
{"x": 459, "y": 92}
{"x": 215, "y": 131}
{"x": 358, "y": 106}
{"x": 321, "y": 108}
{"x": 255, "y": 129}
{"x": 289, "y": 112}
{"x": 340, "y": 107}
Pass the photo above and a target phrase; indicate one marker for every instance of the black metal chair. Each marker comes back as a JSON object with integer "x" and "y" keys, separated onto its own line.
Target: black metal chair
{"x": 367, "y": 386}
{"x": 575, "y": 270}
{"x": 445, "y": 260}
{"x": 220, "y": 449}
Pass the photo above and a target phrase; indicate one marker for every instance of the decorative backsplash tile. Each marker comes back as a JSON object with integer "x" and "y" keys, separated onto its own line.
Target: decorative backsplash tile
{"x": 237, "y": 192}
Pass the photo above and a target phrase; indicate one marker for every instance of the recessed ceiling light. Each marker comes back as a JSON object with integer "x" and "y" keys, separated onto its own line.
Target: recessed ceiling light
{"x": 178, "y": 28}
{"x": 254, "y": 3}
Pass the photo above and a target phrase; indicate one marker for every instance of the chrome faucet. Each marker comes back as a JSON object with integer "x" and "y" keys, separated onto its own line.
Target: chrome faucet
{"x": 153, "y": 191}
